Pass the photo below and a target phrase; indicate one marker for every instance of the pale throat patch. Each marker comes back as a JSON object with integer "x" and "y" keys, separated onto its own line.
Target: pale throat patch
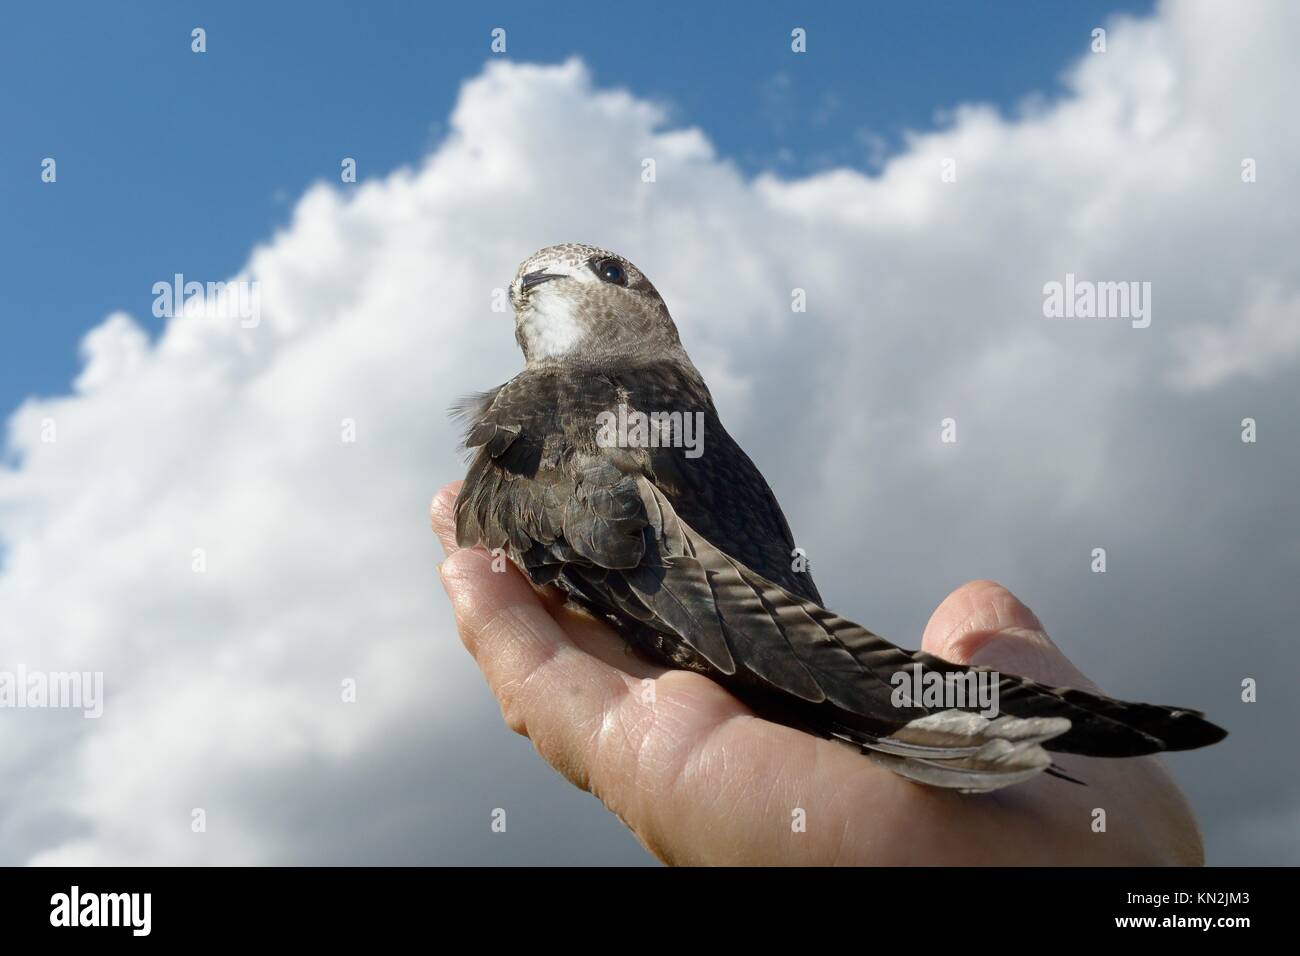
{"x": 551, "y": 326}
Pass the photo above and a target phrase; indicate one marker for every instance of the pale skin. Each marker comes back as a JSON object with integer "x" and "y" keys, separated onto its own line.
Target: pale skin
{"x": 700, "y": 780}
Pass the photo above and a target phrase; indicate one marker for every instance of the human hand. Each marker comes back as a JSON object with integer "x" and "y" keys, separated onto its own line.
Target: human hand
{"x": 700, "y": 780}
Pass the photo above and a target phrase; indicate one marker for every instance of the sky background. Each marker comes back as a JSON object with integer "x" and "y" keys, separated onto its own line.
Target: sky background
{"x": 173, "y": 162}
{"x": 819, "y": 171}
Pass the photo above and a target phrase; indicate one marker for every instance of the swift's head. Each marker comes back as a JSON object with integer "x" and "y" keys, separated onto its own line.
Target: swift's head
{"x": 574, "y": 299}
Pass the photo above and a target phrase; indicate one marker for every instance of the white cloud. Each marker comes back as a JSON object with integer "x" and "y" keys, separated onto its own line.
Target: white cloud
{"x": 223, "y": 687}
{"x": 1262, "y": 339}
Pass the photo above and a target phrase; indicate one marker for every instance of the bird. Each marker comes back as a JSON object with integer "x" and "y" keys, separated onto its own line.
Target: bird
{"x": 603, "y": 469}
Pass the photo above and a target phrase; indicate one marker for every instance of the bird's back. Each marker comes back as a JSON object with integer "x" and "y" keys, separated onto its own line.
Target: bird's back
{"x": 713, "y": 486}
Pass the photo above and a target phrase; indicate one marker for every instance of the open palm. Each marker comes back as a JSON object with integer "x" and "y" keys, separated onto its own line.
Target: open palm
{"x": 700, "y": 780}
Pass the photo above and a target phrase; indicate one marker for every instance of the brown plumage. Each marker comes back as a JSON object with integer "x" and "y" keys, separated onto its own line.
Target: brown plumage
{"x": 690, "y": 557}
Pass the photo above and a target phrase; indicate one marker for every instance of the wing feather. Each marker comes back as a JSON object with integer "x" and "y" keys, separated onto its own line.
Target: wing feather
{"x": 597, "y": 522}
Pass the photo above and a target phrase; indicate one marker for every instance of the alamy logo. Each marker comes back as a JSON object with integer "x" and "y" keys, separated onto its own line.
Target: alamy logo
{"x": 1084, "y": 299}
{"x": 102, "y": 909}
{"x": 629, "y": 428}
{"x": 236, "y": 300}
{"x": 935, "y": 690}
{"x": 70, "y": 690}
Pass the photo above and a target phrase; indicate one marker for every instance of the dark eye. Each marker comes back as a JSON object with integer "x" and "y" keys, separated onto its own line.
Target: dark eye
{"x": 611, "y": 271}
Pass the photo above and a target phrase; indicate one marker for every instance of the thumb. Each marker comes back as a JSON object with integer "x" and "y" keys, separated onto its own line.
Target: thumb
{"x": 982, "y": 623}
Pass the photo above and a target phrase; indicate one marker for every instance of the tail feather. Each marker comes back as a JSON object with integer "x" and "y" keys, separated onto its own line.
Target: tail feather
{"x": 967, "y": 752}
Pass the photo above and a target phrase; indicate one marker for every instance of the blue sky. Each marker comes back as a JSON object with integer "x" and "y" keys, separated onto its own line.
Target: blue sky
{"x": 174, "y": 162}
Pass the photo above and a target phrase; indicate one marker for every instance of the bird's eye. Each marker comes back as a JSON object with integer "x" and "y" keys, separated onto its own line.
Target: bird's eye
{"x": 610, "y": 271}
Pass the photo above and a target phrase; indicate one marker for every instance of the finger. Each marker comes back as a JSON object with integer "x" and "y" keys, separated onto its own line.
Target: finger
{"x": 983, "y": 623}
{"x": 442, "y": 514}
{"x": 549, "y": 689}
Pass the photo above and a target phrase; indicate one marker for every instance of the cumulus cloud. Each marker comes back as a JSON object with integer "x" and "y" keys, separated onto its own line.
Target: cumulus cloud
{"x": 193, "y": 520}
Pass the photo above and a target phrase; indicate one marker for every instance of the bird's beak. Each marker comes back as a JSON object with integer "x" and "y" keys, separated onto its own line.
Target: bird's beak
{"x": 537, "y": 278}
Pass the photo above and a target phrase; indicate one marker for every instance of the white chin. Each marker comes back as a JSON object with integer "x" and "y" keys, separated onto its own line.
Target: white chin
{"x": 550, "y": 326}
